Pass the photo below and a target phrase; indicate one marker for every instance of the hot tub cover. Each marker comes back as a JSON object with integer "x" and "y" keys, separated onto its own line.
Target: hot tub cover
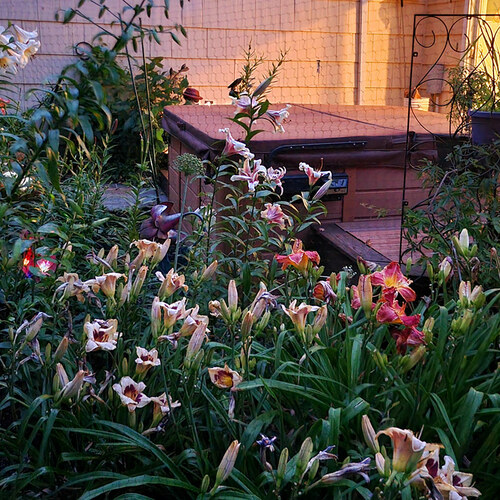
{"x": 337, "y": 134}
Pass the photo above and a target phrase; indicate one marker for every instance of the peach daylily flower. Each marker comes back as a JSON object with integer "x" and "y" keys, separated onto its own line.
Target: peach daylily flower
{"x": 170, "y": 283}
{"x": 323, "y": 291}
{"x": 72, "y": 286}
{"x": 234, "y": 147}
{"x": 101, "y": 335}
{"x": 131, "y": 394}
{"x": 274, "y": 214}
{"x": 106, "y": 283}
{"x": 391, "y": 278}
{"x": 150, "y": 250}
{"x": 298, "y": 258}
{"x": 298, "y": 314}
{"x": 225, "y": 378}
{"x": 407, "y": 448}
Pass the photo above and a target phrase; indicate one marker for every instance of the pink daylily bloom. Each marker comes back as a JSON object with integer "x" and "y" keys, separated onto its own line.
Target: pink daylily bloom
{"x": 410, "y": 336}
{"x": 275, "y": 175}
{"x": 278, "y": 117}
{"x": 250, "y": 173}
{"x": 275, "y": 215}
{"x": 394, "y": 314}
{"x": 234, "y": 147}
{"x": 298, "y": 258}
{"x": 391, "y": 278}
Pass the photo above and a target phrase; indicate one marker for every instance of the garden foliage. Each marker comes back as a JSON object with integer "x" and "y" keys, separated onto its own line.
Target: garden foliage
{"x": 241, "y": 371}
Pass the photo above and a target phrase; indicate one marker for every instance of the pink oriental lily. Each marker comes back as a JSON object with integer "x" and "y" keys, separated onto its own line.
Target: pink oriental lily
{"x": 312, "y": 174}
{"x": 274, "y": 175}
{"x": 278, "y": 117}
{"x": 234, "y": 147}
{"x": 244, "y": 102}
{"x": 250, "y": 173}
{"x": 298, "y": 258}
{"x": 391, "y": 278}
{"x": 275, "y": 215}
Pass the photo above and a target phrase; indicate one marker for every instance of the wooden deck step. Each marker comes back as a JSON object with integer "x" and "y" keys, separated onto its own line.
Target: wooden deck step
{"x": 376, "y": 240}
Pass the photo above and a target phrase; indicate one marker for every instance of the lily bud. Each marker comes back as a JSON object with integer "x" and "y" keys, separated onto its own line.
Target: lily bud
{"x": 209, "y": 271}
{"x": 303, "y": 457}
{"x": 112, "y": 255}
{"x": 33, "y": 326}
{"x": 320, "y": 319}
{"x": 462, "y": 243}
{"x": 430, "y": 271}
{"x": 369, "y": 434}
{"x": 427, "y": 329}
{"x": 232, "y": 296}
{"x": 61, "y": 349}
{"x": 246, "y": 324}
{"x": 412, "y": 359}
{"x": 195, "y": 343}
{"x": 444, "y": 270}
{"x": 281, "y": 470}
{"x": 365, "y": 294}
{"x": 73, "y": 387}
{"x": 380, "y": 463}
{"x": 138, "y": 283}
{"x": 227, "y": 464}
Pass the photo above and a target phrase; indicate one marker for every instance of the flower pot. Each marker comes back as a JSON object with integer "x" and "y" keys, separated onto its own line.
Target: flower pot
{"x": 485, "y": 126}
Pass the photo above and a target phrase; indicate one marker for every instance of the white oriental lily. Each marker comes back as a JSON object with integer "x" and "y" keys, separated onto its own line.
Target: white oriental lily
{"x": 278, "y": 117}
{"x": 24, "y": 36}
{"x": 234, "y": 147}
{"x": 26, "y": 51}
{"x": 244, "y": 102}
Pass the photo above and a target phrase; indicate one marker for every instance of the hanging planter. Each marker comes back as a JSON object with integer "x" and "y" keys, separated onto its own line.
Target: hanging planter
{"x": 485, "y": 126}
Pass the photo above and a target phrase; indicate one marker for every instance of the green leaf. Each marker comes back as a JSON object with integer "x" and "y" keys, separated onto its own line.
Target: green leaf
{"x": 53, "y": 169}
{"x": 439, "y": 407}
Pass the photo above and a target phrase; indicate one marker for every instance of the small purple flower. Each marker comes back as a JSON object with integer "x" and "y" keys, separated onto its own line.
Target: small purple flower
{"x": 266, "y": 442}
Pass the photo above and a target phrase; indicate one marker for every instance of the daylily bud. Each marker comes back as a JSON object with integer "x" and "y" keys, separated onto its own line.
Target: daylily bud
{"x": 427, "y": 329}
{"x": 205, "y": 484}
{"x": 112, "y": 255}
{"x": 320, "y": 318}
{"x": 33, "y": 326}
{"x": 462, "y": 243}
{"x": 313, "y": 470}
{"x": 444, "y": 270}
{"x": 246, "y": 324}
{"x": 365, "y": 294}
{"x": 430, "y": 271}
{"x": 380, "y": 360}
{"x": 281, "y": 470}
{"x": 303, "y": 457}
{"x": 209, "y": 271}
{"x": 195, "y": 343}
{"x": 461, "y": 325}
{"x": 409, "y": 263}
{"x": 263, "y": 321}
{"x": 369, "y": 434}
{"x": 232, "y": 296}
{"x": 227, "y": 464}
{"x": 138, "y": 283}
{"x": 73, "y": 387}
{"x": 410, "y": 360}
{"x": 380, "y": 463}
{"x": 61, "y": 349}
